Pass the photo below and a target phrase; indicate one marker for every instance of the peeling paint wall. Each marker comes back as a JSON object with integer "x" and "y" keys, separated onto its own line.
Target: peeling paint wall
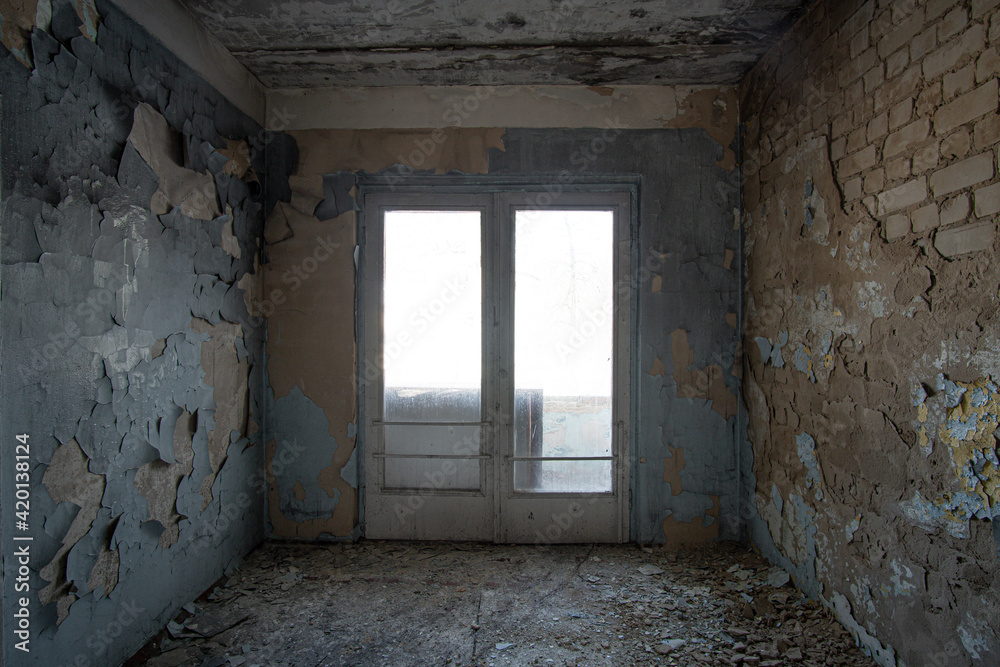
{"x": 871, "y": 320}
{"x": 131, "y": 232}
{"x": 687, "y": 353}
{"x": 685, "y": 485}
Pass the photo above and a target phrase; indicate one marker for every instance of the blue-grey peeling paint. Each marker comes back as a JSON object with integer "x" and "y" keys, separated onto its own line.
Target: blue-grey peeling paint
{"x": 300, "y": 427}
{"x": 686, "y": 207}
{"x": 952, "y": 392}
{"x": 101, "y": 302}
{"x": 807, "y": 454}
{"x": 802, "y": 362}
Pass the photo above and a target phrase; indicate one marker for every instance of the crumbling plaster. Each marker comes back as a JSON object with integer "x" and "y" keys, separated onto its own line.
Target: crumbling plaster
{"x": 131, "y": 229}
{"x": 389, "y": 43}
{"x": 871, "y": 323}
{"x": 687, "y": 285}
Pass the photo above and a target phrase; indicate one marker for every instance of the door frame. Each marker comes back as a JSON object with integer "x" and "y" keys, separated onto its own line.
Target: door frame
{"x": 373, "y": 188}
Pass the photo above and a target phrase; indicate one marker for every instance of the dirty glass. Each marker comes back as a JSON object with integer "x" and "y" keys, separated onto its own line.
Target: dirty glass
{"x": 432, "y": 316}
{"x": 563, "y": 349}
{"x": 432, "y": 348}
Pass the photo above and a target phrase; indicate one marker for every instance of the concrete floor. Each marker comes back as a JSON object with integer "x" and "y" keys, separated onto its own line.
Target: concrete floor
{"x": 395, "y": 603}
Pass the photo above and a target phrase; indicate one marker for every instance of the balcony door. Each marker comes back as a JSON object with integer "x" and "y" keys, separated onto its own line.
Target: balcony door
{"x": 495, "y": 368}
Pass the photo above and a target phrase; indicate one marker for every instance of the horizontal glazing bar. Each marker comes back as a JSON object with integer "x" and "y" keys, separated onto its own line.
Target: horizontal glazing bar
{"x": 397, "y": 423}
{"x": 560, "y": 458}
{"x": 430, "y": 456}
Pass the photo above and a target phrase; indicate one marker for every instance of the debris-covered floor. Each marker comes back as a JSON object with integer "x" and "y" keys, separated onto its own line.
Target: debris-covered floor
{"x": 392, "y": 603}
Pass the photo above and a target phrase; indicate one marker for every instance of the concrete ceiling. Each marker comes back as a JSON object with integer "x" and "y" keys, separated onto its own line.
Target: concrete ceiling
{"x": 323, "y": 43}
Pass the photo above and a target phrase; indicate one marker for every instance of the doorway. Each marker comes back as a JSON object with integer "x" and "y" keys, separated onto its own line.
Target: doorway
{"x": 496, "y": 364}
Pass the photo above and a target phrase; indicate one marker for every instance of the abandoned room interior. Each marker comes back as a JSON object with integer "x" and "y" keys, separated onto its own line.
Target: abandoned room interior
{"x": 576, "y": 333}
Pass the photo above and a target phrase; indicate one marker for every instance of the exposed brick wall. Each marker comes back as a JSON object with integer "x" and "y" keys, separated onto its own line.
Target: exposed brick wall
{"x": 871, "y": 193}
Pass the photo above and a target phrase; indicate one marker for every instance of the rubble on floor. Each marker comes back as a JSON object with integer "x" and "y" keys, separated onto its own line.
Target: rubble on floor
{"x": 406, "y": 603}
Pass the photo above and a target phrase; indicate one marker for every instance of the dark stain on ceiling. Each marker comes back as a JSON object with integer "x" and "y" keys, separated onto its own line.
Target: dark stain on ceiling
{"x": 468, "y": 42}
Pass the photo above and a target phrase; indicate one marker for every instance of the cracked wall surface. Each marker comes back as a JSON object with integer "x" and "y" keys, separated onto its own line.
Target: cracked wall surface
{"x": 687, "y": 282}
{"x": 871, "y": 326}
{"x": 131, "y": 227}
{"x": 685, "y": 474}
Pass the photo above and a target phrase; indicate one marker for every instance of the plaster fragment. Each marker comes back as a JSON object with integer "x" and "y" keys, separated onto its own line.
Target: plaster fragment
{"x": 158, "y": 481}
{"x": 17, "y": 18}
{"x": 68, "y": 480}
{"x": 807, "y": 454}
{"x": 672, "y": 466}
{"x": 706, "y": 383}
{"x": 885, "y": 656}
{"x": 154, "y": 140}
{"x": 852, "y": 527}
{"x": 697, "y": 531}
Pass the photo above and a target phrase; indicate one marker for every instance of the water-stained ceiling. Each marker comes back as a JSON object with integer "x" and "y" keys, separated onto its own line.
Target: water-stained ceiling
{"x": 442, "y": 42}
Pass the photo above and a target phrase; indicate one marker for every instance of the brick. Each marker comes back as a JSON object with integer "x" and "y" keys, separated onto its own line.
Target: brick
{"x": 987, "y": 132}
{"x": 955, "y": 209}
{"x": 928, "y": 99}
{"x": 838, "y": 148}
{"x": 962, "y": 174}
{"x": 874, "y": 77}
{"x": 897, "y": 169}
{"x": 852, "y": 189}
{"x": 926, "y": 158}
{"x": 902, "y": 34}
{"x": 904, "y": 196}
{"x": 903, "y": 8}
{"x": 859, "y": 161}
{"x": 842, "y": 124}
{"x": 878, "y": 127}
{"x": 881, "y": 25}
{"x": 988, "y": 64}
{"x": 859, "y": 42}
{"x": 956, "y": 83}
{"x": 925, "y": 218}
{"x": 952, "y": 23}
{"x": 970, "y": 106}
{"x": 897, "y": 62}
{"x": 957, "y": 144}
{"x": 871, "y": 204}
{"x": 896, "y": 227}
{"x": 859, "y": 19}
{"x": 855, "y": 67}
{"x": 854, "y": 96}
{"x": 988, "y": 200}
{"x": 966, "y": 45}
{"x": 906, "y": 138}
{"x": 980, "y": 7}
{"x": 923, "y": 44}
{"x": 966, "y": 239}
{"x": 856, "y": 140}
{"x": 901, "y": 113}
{"x": 936, "y": 8}
{"x": 903, "y": 86}
{"x": 875, "y": 181}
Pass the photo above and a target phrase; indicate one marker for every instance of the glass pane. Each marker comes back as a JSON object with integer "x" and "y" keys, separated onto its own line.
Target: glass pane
{"x": 432, "y": 346}
{"x": 437, "y": 474}
{"x": 433, "y": 439}
{"x": 563, "y": 347}
{"x": 562, "y": 476}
